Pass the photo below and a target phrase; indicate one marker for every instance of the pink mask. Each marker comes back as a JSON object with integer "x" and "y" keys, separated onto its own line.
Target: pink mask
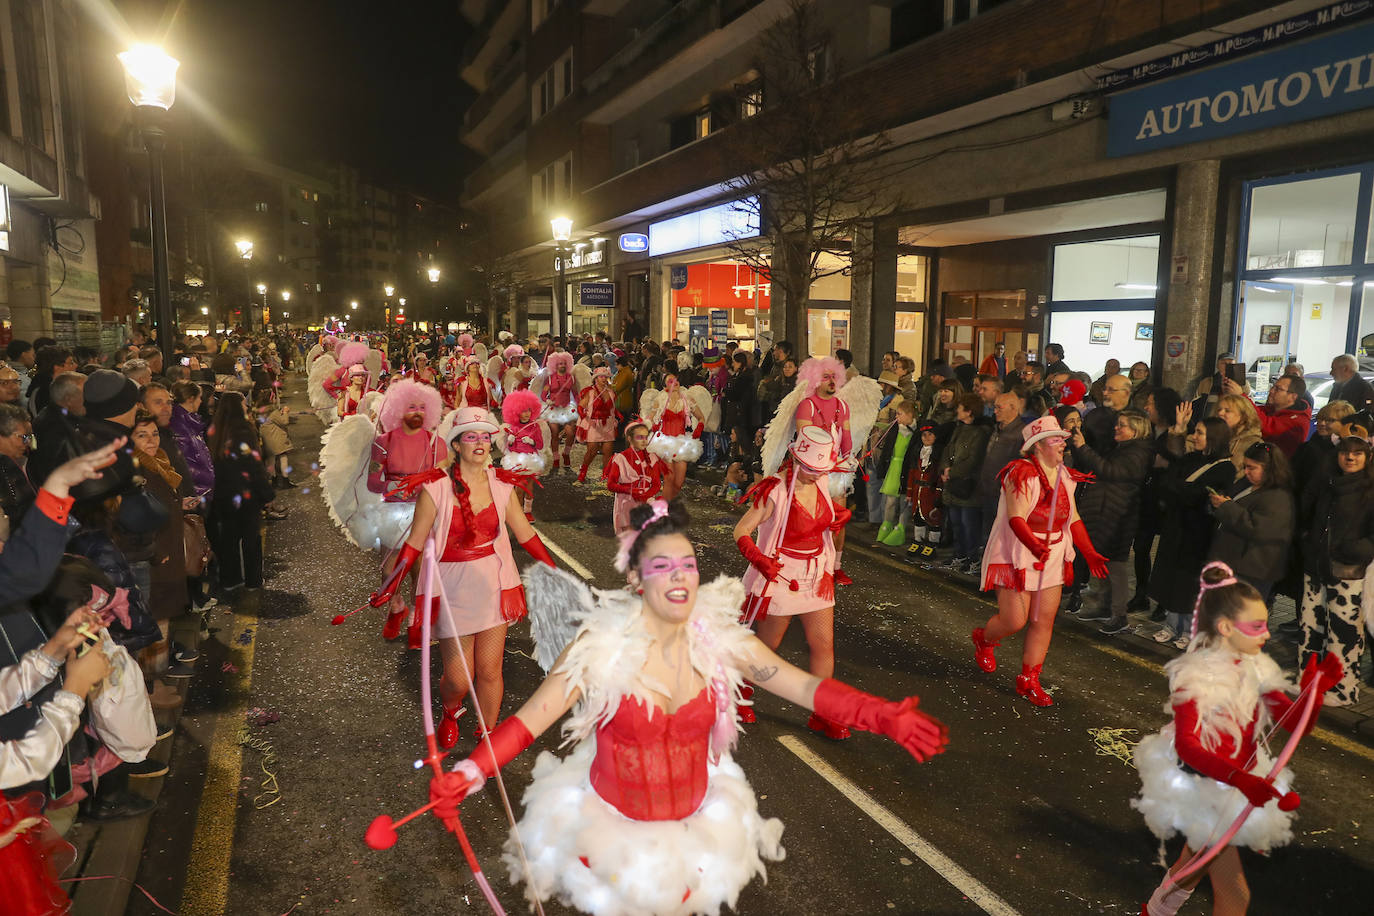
{"x": 664, "y": 566}
{"x": 670, "y": 383}
{"x": 475, "y": 437}
{"x": 1253, "y": 628}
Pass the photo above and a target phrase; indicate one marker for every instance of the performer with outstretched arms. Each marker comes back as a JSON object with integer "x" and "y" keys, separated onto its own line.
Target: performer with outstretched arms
{"x": 649, "y": 813}
{"x": 635, "y": 475}
{"x": 1029, "y": 555}
{"x": 1208, "y": 774}
{"x": 467, "y": 506}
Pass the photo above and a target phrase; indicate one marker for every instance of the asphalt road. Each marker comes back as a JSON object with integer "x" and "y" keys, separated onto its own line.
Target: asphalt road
{"x": 1023, "y": 814}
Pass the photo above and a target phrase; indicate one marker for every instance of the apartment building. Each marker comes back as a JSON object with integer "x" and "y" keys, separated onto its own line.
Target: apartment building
{"x": 1154, "y": 182}
{"x": 48, "y": 278}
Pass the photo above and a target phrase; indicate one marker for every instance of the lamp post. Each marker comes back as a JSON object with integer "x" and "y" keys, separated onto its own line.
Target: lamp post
{"x": 150, "y": 78}
{"x": 245, "y": 250}
{"x": 285, "y": 300}
{"x": 562, "y": 234}
{"x": 386, "y": 305}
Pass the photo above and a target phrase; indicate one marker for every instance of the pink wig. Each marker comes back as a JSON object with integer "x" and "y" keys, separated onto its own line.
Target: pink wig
{"x": 352, "y": 354}
{"x": 465, "y": 341}
{"x": 401, "y": 395}
{"x": 514, "y": 351}
{"x": 815, "y": 368}
{"x": 517, "y": 402}
{"x": 555, "y": 359}
{"x": 329, "y": 341}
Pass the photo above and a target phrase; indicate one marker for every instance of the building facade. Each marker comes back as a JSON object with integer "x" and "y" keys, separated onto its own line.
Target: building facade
{"x": 1052, "y": 182}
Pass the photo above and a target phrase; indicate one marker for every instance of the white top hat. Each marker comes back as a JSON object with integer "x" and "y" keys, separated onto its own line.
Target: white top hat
{"x": 814, "y": 449}
{"x": 1042, "y": 428}
{"x": 472, "y": 419}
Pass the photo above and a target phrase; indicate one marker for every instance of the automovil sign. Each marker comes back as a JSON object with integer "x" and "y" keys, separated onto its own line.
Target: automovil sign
{"x": 1312, "y": 79}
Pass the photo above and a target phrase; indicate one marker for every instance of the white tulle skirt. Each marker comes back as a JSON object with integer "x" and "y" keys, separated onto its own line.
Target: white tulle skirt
{"x": 1199, "y": 807}
{"x": 841, "y": 484}
{"x": 668, "y": 868}
{"x": 525, "y": 462}
{"x": 380, "y": 525}
{"x": 675, "y": 448}
{"x": 561, "y": 416}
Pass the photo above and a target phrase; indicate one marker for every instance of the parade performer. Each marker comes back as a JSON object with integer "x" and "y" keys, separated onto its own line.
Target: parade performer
{"x": 476, "y": 390}
{"x": 792, "y": 566}
{"x": 524, "y": 441}
{"x": 844, "y": 409}
{"x": 405, "y": 445}
{"x": 678, "y": 420}
{"x": 321, "y": 369}
{"x": 351, "y": 398}
{"x": 635, "y": 475}
{"x": 467, "y": 506}
{"x": 1029, "y": 555}
{"x": 351, "y": 354}
{"x": 424, "y": 372}
{"x": 650, "y": 813}
{"x": 1226, "y": 697}
{"x": 556, "y": 390}
{"x": 514, "y": 374}
{"x": 597, "y": 420}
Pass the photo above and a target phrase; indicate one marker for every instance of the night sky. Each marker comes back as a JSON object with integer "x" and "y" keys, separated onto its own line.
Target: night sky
{"x": 371, "y": 82}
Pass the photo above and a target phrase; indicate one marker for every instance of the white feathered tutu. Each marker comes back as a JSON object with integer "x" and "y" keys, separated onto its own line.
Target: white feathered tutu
{"x": 525, "y": 462}
{"x": 1173, "y": 800}
{"x": 560, "y": 415}
{"x": 675, "y": 448}
{"x": 841, "y": 484}
{"x": 637, "y": 867}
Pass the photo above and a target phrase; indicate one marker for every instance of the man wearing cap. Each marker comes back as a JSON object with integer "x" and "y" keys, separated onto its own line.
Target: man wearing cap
{"x": 1029, "y": 555}
{"x": 882, "y": 427}
{"x": 1212, "y": 387}
{"x": 111, "y": 400}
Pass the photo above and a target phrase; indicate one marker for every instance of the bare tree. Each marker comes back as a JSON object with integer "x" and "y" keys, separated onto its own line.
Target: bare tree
{"x": 810, "y": 170}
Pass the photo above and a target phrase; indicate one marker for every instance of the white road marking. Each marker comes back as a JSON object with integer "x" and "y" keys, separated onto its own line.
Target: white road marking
{"x": 562, "y": 554}
{"x": 946, "y": 867}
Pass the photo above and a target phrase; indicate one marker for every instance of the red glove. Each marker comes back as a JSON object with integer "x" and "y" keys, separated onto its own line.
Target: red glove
{"x": 508, "y": 741}
{"x": 921, "y": 736}
{"x": 1190, "y": 750}
{"x": 1327, "y": 674}
{"x": 1036, "y": 545}
{"x": 1259, "y": 791}
{"x": 766, "y": 565}
{"x": 700, "y": 428}
{"x": 535, "y": 548}
{"x": 1097, "y": 563}
{"x": 842, "y": 517}
{"x": 403, "y": 564}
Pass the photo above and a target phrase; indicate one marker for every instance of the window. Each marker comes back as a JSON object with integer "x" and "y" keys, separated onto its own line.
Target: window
{"x": 703, "y": 124}
{"x": 566, "y": 171}
{"x": 567, "y": 75}
{"x": 1103, "y": 298}
{"x": 553, "y": 86}
{"x": 260, "y": 206}
{"x": 750, "y": 98}
{"x": 818, "y": 63}
{"x": 631, "y": 153}
{"x": 26, "y": 38}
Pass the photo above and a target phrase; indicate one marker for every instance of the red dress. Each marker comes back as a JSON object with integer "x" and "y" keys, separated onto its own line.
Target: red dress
{"x": 31, "y": 859}
{"x": 480, "y": 396}
{"x": 654, "y": 769}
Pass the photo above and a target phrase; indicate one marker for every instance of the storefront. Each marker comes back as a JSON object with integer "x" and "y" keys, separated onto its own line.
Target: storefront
{"x": 715, "y": 302}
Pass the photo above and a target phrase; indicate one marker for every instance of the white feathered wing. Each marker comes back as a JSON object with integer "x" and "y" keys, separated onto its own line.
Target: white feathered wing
{"x": 862, "y": 395}
{"x": 558, "y": 603}
{"x": 780, "y": 430}
{"x": 320, "y": 371}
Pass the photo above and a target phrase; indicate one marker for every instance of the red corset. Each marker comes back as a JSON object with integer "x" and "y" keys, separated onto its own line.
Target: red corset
{"x": 463, "y": 544}
{"x": 674, "y": 423}
{"x": 803, "y": 534}
{"x": 654, "y": 769}
{"x": 1039, "y": 518}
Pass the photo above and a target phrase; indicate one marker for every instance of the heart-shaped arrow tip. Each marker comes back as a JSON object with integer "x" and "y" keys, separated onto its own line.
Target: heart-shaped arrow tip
{"x": 338, "y": 619}
{"x": 381, "y": 834}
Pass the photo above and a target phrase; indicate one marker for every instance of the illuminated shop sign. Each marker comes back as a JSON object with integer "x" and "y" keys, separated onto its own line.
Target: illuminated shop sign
{"x": 718, "y": 225}
{"x": 1323, "y": 76}
{"x": 584, "y": 254}
{"x": 634, "y": 242}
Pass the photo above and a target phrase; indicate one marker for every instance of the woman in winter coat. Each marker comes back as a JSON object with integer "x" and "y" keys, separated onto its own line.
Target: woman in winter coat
{"x": 1240, "y": 414}
{"x": 1315, "y": 459}
{"x": 738, "y": 406}
{"x": 1255, "y": 519}
{"x": 1110, "y": 507}
{"x": 960, "y": 463}
{"x": 242, "y": 492}
{"x": 1161, "y": 409}
{"x": 1337, "y": 544}
{"x": 1185, "y": 524}
{"x": 1141, "y": 388}
{"x": 189, "y": 430}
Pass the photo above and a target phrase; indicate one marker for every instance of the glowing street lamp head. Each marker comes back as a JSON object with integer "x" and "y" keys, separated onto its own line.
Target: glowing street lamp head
{"x": 245, "y": 248}
{"x": 262, "y": 288}
{"x": 562, "y": 228}
{"x": 433, "y": 275}
{"x": 389, "y": 290}
{"x": 353, "y": 305}
{"x": 150, "y": 76}
{"x": 402, "y": 300}
{"x": 205, "y": 309}
{"x": 286, "y": 295}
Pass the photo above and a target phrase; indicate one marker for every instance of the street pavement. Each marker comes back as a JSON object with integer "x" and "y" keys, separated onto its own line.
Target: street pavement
{"x": 1027, "y": 813}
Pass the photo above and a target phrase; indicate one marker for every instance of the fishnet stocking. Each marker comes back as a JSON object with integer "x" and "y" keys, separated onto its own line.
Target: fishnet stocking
{"x": 485, "y": 650}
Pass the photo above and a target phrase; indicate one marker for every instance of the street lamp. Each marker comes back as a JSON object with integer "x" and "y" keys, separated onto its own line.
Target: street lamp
{"x": 150, "y": 78}
{"x": 433, "y": 275}
{"x": 562, "y": 234}
{"x": 389, "y": 290}
{"x": 245, "y": 250}
{"x": 262, "y": 289}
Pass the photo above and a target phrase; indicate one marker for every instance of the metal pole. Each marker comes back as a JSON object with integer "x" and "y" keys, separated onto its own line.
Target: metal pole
{"x": 560, "y": 301}
{"x": 249, "y": 305}
{"x": 154, "y": 142}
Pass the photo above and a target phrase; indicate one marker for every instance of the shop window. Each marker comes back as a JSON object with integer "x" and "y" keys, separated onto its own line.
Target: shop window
{"x": 911, "y": 278}
{"x": 1308, "y": 223}
{"x": 702, "y": 124}
{"x": 1293, "y": 319}
{"x": 1106, "y": 270}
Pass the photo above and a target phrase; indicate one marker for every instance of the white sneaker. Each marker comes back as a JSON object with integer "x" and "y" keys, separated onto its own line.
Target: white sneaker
{"x": 1182, "y": 643}
{"x": 1165, "y": 635}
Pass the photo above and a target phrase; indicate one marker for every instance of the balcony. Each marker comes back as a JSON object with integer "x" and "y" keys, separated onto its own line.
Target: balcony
{"x": 496, "y": 165}
{"x": 502, "y": 79}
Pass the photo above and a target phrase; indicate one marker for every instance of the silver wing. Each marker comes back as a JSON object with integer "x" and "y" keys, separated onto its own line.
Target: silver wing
{"x": 558, "y": 601}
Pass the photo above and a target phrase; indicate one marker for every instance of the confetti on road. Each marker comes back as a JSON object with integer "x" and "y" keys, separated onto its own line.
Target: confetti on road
{"x": 1112, "y": 742}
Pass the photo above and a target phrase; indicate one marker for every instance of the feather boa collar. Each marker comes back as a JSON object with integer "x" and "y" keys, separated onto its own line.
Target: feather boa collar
{"x": 1227, "y": 688}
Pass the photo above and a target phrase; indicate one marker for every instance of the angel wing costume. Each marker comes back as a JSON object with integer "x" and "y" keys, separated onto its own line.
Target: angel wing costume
{"x": 860, "y": 397}
{"x": 676, "y": 433}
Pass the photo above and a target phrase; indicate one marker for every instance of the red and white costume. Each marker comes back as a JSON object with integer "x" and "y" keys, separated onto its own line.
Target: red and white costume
{"x": 598, "y": 415}
{"x": 642, "y": 816}
{"x": 1221, "y": 700}
{"x": 482, "y": 394}
{"x": 1007, "y": 562}
{"x": 676, "y": 432}
{"x": 397, "y": 454}
{"x": 805, "y": 547}
{"x": 557, "y": 392}
{"x": 477, "y": 570}
{"x": 634, "y": 477}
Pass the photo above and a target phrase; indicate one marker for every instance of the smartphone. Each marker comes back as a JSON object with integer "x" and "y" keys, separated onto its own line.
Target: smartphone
{"x": 186, "y": 360}
{"x": 1236, "y": 372}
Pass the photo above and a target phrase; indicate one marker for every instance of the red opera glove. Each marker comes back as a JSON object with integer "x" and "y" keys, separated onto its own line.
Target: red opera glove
{"x": 403, "y": 564}
{"x": 1327, "y": 673}
{"x": 1036, "y": 545}
{"x": 1097, "y": 563}
{"x": 766, "y": 565}
{"x": 535, "y": 548}
{"x": 842, "y": 517}
{"x": 921, "y": 736}
{"x": 508, "y": 741}
{"x": 1258, "y": 791}
{"x": 700, "y": 428}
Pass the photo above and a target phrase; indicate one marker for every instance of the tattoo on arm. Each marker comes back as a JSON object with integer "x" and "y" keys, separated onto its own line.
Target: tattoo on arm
{"x": 762, "y": 674}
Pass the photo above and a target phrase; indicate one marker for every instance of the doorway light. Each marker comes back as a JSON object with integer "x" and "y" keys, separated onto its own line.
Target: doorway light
{"x": 1306, "y": 281}
{"x": 1267, "y": 289}
{"x": 1146, "y": 287}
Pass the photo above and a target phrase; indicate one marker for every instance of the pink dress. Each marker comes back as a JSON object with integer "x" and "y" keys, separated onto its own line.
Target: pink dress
{"x": 598, "y": 422}
{"x": 1007, "y": 563}
{"x": 629, "y": 473}
{"x": 805, "y": 549}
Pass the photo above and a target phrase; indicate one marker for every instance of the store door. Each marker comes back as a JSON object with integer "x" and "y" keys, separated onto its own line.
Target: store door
{"x": 975, "y": 322}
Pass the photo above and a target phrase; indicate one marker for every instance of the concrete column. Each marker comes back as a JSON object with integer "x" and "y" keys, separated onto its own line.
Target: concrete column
{"x": 521, "y": 308}
{"x": 1188, "y": 305}
{"x": 661, "y": 321}
{"x": 873, "y": 296}
{"x": 788, "y": 319}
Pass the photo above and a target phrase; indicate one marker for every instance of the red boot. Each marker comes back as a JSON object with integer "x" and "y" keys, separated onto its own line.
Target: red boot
{"x": 746, "y": 713}
{"x": 581, "y": 475}
{"x": 841, "y": 578}
{"x": 1028, "y": 685}
{"x": 447, "y": 733}
{"x": 832, "y": 730}
{"x": 982, "y": 651}
{"x": 397, "y": 616}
